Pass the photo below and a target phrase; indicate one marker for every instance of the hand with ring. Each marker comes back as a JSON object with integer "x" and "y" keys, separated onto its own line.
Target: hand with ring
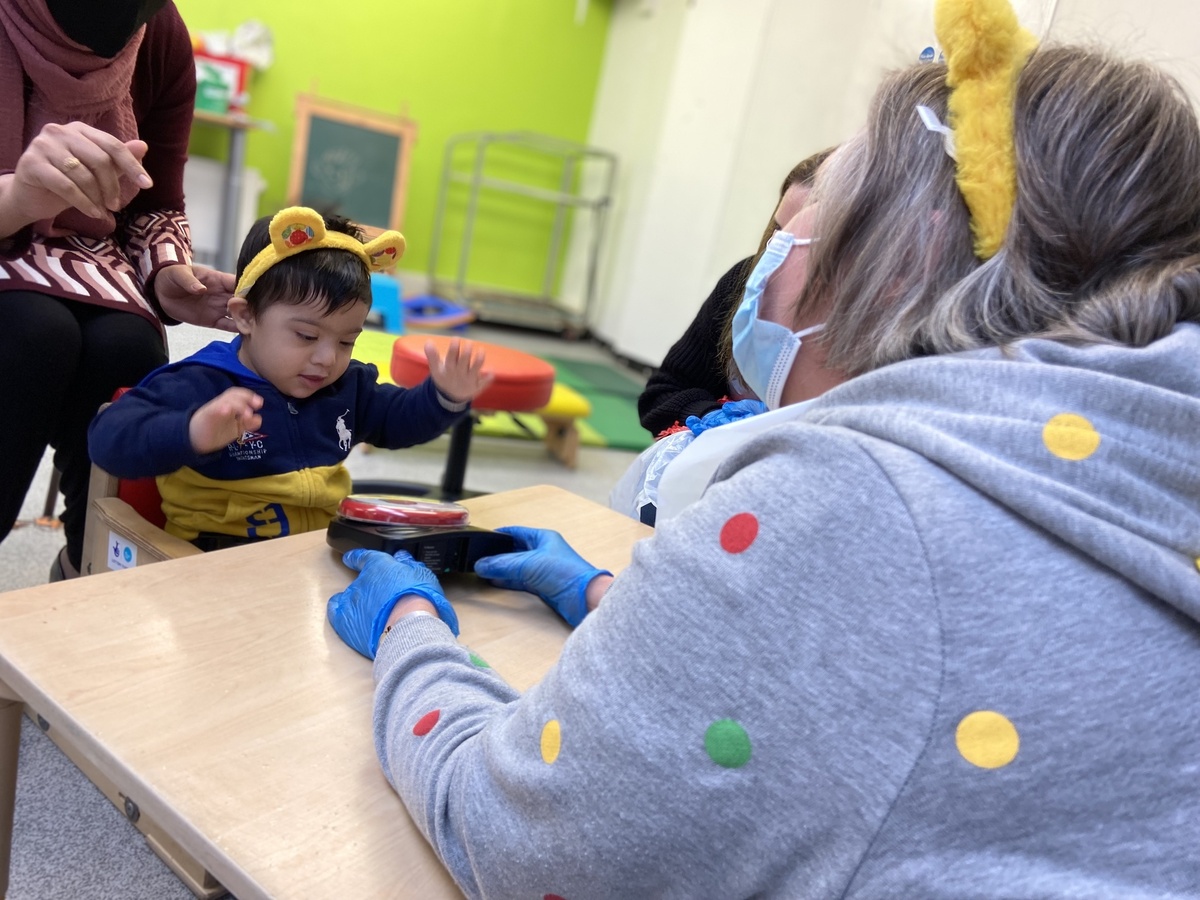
{"x": 71, "y": 166}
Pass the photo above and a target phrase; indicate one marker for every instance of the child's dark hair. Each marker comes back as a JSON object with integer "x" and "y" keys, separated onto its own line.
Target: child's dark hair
{"x": 335, "y": 277}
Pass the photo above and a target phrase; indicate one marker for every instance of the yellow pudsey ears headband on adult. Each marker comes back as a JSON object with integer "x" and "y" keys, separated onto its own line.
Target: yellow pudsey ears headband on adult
{"x": 298, "y": 228}
{"x": 985, "y": 48}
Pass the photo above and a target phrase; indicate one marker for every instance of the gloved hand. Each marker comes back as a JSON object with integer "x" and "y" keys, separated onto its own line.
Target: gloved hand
{"x": 358, "y": 614}
{"x": 544, "y": 564}
{"x": 730, "y": 411}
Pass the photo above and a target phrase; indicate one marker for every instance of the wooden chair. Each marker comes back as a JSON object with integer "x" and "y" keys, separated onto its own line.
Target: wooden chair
{"x": 124, "y": 524}
{"x": 118, "y": 534}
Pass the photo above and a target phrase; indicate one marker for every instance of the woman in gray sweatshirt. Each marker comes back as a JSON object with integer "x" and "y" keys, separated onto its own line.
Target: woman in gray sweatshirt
{"x": 937, "y": 637}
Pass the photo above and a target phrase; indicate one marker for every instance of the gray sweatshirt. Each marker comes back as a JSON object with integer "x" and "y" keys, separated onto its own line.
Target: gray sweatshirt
{"x": 938, "y": 639}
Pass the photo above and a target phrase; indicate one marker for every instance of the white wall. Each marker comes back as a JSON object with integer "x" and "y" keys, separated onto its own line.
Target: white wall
{"x": 661, "y": 260}
{"x": 709, "y": 103}
{"x": 643, "y": 41}
{"x": 1164, "y": 32}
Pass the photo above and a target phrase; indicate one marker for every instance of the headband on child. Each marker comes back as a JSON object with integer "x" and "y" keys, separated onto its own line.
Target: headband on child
{"x": 986, "y": 48}
{"x": 298, "y": 228}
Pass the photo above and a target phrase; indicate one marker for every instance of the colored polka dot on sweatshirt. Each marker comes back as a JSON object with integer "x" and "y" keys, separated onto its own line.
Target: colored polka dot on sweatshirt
{"x": 551, "y": 741}
{"x": 552, "y": 897}
{"x": 479, "y": 661}
{"x": 727, "y": 744}
{"x": 739, "y": 533}
{"x": 1069, "y": 436}
{"x": 987, "y": 739}
{"x": 426, "y": 722}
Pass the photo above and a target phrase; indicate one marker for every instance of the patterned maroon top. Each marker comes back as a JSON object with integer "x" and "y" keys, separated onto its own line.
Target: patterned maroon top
{"x": 151, "y": 232}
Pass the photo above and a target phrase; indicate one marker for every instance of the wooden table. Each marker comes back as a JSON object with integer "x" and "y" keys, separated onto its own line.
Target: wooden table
{"x": 213, "y": 688}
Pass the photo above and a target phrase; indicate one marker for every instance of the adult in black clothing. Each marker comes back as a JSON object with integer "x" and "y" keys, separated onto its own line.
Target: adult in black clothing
{"x": 697, "y": 372}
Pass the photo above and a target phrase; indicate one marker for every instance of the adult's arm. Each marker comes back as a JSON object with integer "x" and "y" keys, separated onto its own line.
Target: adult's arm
{"x": 726, "y": 723}
{"x": 153, "y": 229}
{"x": 691, "y": 380}
{"x": 164, "y": 97}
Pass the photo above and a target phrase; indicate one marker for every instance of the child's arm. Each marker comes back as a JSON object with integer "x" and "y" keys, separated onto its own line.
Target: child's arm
{"x": 393, "y": 417}
{"x": 147, "y": 431}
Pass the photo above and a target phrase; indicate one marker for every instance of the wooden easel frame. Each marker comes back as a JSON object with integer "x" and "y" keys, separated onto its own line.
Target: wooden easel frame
{"x": 401, "y": 126}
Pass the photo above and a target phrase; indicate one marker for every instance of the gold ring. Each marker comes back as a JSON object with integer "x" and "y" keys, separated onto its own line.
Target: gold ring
{"x": 70, "y": 163}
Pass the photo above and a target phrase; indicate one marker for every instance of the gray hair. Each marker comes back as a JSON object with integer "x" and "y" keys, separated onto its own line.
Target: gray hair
{"x": 1103, "y": 244}
{"x": 893, "y": 230}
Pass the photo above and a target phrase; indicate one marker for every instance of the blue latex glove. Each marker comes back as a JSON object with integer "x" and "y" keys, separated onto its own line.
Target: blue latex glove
{"x": 358, "y": 614}
{"x": 730, "y": 411}
{"x": 543, "y": 564}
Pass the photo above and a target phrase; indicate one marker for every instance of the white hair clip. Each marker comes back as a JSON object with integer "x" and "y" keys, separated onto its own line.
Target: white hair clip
{"x": 932, "y": 123}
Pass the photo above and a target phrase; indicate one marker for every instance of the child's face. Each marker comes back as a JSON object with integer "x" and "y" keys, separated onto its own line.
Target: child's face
{"x": 297, "y": 347}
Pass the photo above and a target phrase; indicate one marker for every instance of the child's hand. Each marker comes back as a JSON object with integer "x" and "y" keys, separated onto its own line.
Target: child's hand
{"x": 460, "y": 376}
{"x": 224, "y": 418}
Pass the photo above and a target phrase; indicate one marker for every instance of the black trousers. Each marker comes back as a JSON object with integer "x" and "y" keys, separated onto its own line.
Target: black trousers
{"x": 59, "y": 361}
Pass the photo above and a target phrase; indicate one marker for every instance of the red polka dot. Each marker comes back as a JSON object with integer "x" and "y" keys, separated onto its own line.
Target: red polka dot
{"x": 552, "y": 897}
{"x": 426, "y": 722}
{"x": 739, "y": 533}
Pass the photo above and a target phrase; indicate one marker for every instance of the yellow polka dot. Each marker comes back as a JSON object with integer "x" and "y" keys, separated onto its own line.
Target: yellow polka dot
{"x": 551, "y": 741}
{"x": 1198, "y": 563}
{"x": 987, "y": 739}
{"x": 1069, "y": 436}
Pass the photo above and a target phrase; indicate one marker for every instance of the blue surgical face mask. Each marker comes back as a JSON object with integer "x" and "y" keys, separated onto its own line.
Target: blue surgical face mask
{"x": 764, "y": 351}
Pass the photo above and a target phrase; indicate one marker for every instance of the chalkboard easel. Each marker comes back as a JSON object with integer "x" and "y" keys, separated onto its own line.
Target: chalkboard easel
{"x": 351, "y": 161}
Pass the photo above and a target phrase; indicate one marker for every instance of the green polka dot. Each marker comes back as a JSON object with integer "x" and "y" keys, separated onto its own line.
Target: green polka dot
{"x": 727, "y": 744}
{"x": 479, "y": 661}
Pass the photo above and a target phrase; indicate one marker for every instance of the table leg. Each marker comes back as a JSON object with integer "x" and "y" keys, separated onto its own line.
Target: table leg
{"x": 456, "y": 458}
{"x": 10, "y": 743}
{"x": 229, "y": 240}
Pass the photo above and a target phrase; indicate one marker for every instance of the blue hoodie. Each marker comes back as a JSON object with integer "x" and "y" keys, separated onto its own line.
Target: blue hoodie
{"x": 286, "y": 477}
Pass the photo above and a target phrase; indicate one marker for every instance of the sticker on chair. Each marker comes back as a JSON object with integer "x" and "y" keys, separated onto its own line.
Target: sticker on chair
{"x": 121, "y": 553}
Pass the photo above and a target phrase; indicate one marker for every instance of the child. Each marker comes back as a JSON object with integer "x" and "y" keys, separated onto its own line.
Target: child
{"x": 248, "y": 439}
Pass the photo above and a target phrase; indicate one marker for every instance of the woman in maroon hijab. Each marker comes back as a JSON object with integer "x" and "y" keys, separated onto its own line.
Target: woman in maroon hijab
{"x": 96, "y": 97}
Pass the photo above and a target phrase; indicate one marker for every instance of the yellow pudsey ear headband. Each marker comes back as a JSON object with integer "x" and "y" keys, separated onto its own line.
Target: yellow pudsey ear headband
{"x": 298, "y": 228}
{"x": 985, "y": 49}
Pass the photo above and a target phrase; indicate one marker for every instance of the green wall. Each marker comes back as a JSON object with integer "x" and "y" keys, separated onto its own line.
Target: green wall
{"x": 454, "y": 66}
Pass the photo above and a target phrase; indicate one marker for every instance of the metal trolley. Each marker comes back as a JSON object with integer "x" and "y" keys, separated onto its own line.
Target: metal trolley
{"x": 586, "y": 177}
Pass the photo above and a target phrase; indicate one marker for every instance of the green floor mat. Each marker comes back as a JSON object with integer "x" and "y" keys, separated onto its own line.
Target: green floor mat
{"x": 613, "y": 423}
{"x": 531, "y": 427}
{"x": 613, "y": 396}
{"x": 589, "y": 378}
{"x": 615, "y": 417}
